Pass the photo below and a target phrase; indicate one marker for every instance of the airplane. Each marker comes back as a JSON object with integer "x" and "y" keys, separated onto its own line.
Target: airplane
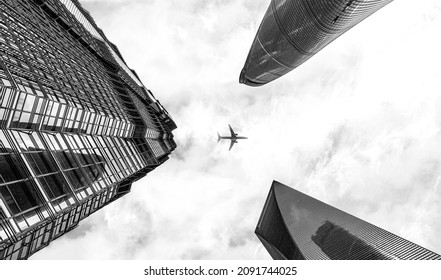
{"x": 233, "y": 137}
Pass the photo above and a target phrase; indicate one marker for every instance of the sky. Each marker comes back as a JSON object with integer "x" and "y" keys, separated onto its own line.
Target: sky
{"x": 357, "y": 126}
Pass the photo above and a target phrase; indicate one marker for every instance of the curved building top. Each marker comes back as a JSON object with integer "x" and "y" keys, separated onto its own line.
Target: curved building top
{"x": 294, "y": 30}
{"x": 294, "y": 225}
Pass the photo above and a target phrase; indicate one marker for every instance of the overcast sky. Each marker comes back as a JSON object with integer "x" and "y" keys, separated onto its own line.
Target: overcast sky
{"x": 358, "y": 126}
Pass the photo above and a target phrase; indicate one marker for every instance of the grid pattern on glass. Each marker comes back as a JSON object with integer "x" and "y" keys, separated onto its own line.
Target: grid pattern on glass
{"x": 20, "y": 196}
{"x": 126, "y": 75}
{"x": 28, "y": 111}
{"x": 36, "y": 68}
{"x": 272, "y": 230}
{"x": 89, "y": 27}
{"x": 157, "y": 148}
{"x": 321, "y": 231}
{"x": 7, "y": 97}
{"x": 166, "y": 141}
{"x": 4, "y": 79}
{"x": 44, "y": 168}
{"x": 148, "y": 117}
{"x": 40, "y": 237}
{"x": 70, "y": 170}
{"x": 31, "y": 112}
{"x": 292, "y": 31}
{"x": 73, "y": 127}
{"x": 81, "y": 18}
{"x": 145, "y": 151}
{"x": 159, "y": 140}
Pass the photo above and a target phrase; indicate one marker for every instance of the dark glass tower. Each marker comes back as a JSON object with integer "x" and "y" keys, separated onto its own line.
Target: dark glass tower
{"x": 294, "y": 30}
{"x": 77, "y": 126}
{"x": 295, "y": 226}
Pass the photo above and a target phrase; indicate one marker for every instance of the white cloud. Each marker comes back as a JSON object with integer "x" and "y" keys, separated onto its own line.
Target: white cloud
{"x": 357, "y": 126}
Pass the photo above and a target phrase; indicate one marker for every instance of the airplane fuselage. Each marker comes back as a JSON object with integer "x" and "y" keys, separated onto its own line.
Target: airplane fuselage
{"x": 233, "y": 138}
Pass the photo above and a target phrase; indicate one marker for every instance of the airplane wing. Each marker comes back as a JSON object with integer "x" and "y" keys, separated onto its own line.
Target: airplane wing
{"x": 232, "y": 131}
{"x": 232, "y": 143}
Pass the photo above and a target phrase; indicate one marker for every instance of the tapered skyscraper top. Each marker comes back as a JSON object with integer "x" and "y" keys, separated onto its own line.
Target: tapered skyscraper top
{"x": 292, "y": 31}
{"x": 296, "y": 226}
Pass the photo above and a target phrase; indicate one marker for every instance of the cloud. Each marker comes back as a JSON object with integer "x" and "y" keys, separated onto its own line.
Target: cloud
{"x": 357, "y": 126}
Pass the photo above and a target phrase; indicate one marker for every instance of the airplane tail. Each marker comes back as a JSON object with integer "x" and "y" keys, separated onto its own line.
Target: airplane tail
{"x": 218, "y": 137}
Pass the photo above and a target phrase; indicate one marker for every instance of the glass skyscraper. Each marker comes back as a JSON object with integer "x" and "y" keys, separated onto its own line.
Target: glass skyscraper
{"x": 77, "y": 126}
{"x": 292, "y": 31}
{"x": 295, "y": 226}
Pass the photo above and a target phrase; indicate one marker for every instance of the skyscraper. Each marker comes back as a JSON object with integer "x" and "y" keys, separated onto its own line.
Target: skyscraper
{"x": 296, "y": 226}
{"x": 77, "y": 126}
{"x": 292, "y": 31}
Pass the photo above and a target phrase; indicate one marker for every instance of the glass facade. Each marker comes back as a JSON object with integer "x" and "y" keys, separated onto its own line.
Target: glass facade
{"x": 295, "y": 226}
{"x": 77, "y": 127}
{"x": 292, "y": 31}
